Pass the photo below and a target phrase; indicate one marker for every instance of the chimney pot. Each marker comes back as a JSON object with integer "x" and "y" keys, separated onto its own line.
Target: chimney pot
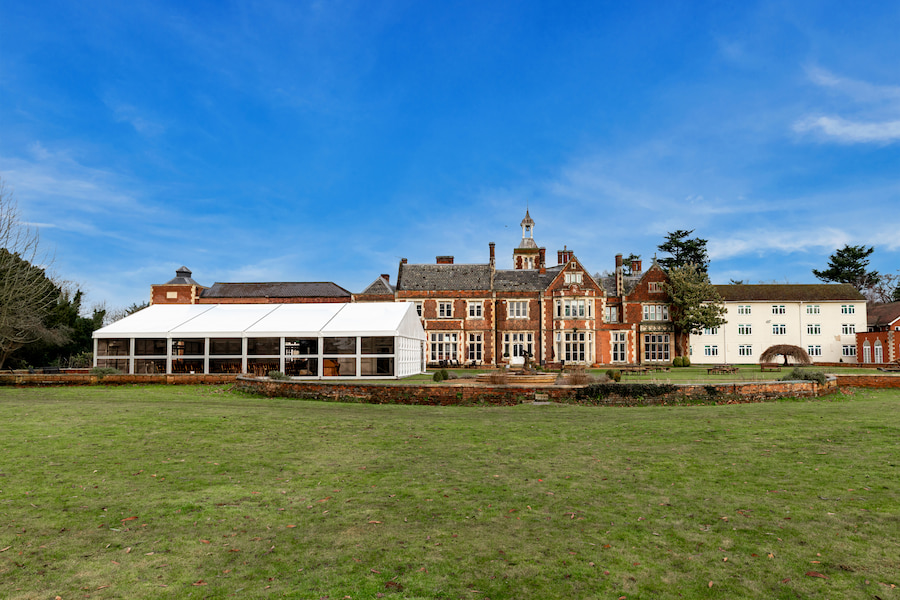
{"x": 619, "y": 261}
{"x": 386, "y": 277}
{"x": 635, "y": 266}
{"x": 444, "y": 260}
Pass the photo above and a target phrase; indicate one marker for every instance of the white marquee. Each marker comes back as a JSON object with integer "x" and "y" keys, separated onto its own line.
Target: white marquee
{"x": 346, "y": 340}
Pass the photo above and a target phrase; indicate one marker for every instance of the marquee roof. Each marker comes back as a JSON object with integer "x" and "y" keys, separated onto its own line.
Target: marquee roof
{"x": 269, "y": 320}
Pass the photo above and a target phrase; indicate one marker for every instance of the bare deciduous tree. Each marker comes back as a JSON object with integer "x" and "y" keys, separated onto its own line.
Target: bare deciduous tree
{"x": 27, "y": 294}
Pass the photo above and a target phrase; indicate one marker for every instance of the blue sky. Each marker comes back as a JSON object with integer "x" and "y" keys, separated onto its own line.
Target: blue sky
{"x": 323, "y": 141}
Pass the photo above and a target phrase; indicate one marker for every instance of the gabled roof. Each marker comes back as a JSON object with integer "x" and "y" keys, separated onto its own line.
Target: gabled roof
{"x": 789, "y": 292}
{"x": 444, "y": 277}
{"x": 882, "y": 315}
{"x": 299, "y": 289}
{"x": 524, "y": 280}
{"x": 379, "y": 287}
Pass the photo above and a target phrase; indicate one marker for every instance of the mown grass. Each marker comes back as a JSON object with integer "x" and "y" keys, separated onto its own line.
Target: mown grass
{"x": 198, "y": 492}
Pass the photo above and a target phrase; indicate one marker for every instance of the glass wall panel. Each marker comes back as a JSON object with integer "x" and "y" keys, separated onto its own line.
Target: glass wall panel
{"x": 116, "y": 363}
{"x": 150, "y": 366}
{"x": 189, "y": 365}
{"x": 262, "y": 346}
{"x": 224, "y": 365}
{"x": 261, "y": 366}
{"x": 113, "y": 347}
{"x": 301, "y": 346}
{"x": 377, "y": 345}
{"x": 301, "y": 367}
{"x": 376, "y": 366}
{"x": 189, "y": 347}
{"x": 143, "y": 347}
{"x": 225, "y": 346}
{"x": 339, "y": 345}
{"x": 339, "y": 367}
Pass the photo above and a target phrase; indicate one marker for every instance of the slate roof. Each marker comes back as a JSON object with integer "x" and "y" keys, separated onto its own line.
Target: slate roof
{"x": 298, "y": 289}
{"x": 525, "y": 280}
{"x": 882, "y": 315}
{"x": 444, "y": 277}
{"x": 379, "y": 287}
{"x": 182, "y": 277}
{"x": 789, "y": 292}
{"x": 608, "y": 283}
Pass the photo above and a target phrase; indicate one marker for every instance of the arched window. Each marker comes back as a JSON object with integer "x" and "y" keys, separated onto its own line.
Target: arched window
{"x": 879, "y": 352}
{"x": 867, "y": 352}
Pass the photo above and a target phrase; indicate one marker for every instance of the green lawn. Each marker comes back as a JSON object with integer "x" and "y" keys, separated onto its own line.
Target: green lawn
{"x": 198, "y": 492}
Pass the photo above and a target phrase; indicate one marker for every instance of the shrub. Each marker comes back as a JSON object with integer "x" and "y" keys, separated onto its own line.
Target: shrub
{"x": 278, "y": 375}
{"x": 444, "y": 374}
{"x": 437, "y": 377}
{"x": 798, "y": 374}
{"x": 101, "y": 372}
{"x": 614, "y": 375}
{"x": 685, "y": 361}
{"x": 678, "y": 362}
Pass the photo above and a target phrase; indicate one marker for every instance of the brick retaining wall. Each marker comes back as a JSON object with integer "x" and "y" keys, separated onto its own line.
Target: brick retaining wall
{"x": 509, "y": 395}
{"x": 869, "y": 381}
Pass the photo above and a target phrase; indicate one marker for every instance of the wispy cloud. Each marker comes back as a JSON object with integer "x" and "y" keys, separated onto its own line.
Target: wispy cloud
{"x": 878, "y": 107}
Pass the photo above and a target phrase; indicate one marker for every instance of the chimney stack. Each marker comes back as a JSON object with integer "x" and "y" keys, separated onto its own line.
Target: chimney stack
{"x": 636, "y": 266}
{"x": 445, "y": 260}
{"x": 491, "y": 246}
{"x": 563, "y": 256}
{"x": 542, "y": 260}
{"x": 619, "y": 261}
{"x": 403, "y": 261}
{"x": 386, "y": 277}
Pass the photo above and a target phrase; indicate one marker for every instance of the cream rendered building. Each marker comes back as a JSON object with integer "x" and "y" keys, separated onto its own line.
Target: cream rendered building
{"x": 820, "y": 318}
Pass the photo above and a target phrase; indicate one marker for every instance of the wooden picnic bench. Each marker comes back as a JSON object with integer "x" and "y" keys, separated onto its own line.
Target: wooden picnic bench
{"x": 721, "y": 369}
{"x": 769, "y": 367}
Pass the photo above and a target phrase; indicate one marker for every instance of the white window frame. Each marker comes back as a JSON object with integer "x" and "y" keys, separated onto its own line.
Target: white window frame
{"x": 848, "y": 309}
{"x": 710, "y": 350}
{"x": 813, "y": 309}
{"x": 745, "y": 350}
{"x": 575, "y": 277}
{"x": 476, "y": 309}
{"x": 848, "y": 328}
{"x": 419, "y": 309}
{"x": 779, "y": 329}
{"x": 443, "y": 345}
{"x": 813, "y": 329}
{"x": 778, "y": 309}
{"x": 656, "y": 312}
{"x": 619, "y": 346}
{"x": 516, "y": 343}
{"x": 848, "y": 350}
{"x": 814, "y": 350}
{"x": 474, "y": 347}
{"x": 744, "y": 309}
{"x": 655, "y": 287}
{"x": 710, "y": 331}
{"x": 745, "y": 329}
{"x": 612, "y": 314}
{"x": 445, "y": 309}
{"x": 657, "y": 347}
{"x": 517, "y": 309}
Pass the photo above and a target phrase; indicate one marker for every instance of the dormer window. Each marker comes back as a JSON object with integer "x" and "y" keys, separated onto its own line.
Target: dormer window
{"x": 573, "y": 278}
{"x": 656, "y": 286}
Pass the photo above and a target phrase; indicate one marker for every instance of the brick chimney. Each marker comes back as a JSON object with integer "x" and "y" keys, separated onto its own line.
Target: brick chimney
{"x": 386, "y": 277}
{"x": 542, "y": 260}
{"x": 445, "y": 260}
{"x": 636, "y": 266}
{"x": 491, "y": 246}
{"x": 620, "y": 275}
{"x": 563, "y": 256}
{"x": 403, "y": 261}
